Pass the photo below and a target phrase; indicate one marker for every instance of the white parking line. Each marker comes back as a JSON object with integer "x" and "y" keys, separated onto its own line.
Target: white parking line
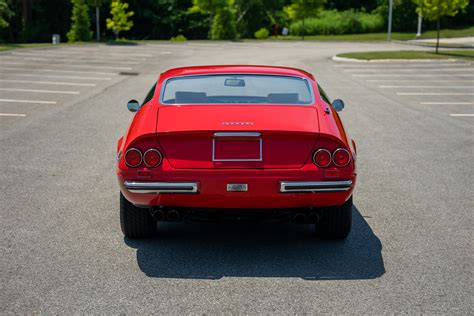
{"x": 40, "y": 91}
{"x": 12, "y": 114}
{"x": 51, "y": 83}
{"x": 124, "y": 55}
{"x": 446, "y": 103}
{"x": 428, "y": 87}
{"x": 418, "y": 80}
{"x": 410, "y": 75}
{"x": 63, "y": 77}
{"x": 460, "y": 115}
{"x": 384, "y": 66}
{"x": 27, "y": 101}
{"x": 434, "y": 93}
{"x": 67, "y": 65}
{"x": 61, "y": 71}
{"x": 109, "y": 59}
{"x": 409, "y": 70}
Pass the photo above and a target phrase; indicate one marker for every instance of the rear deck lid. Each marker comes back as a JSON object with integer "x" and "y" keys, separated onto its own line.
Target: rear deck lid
{"x": 237, "y": 136}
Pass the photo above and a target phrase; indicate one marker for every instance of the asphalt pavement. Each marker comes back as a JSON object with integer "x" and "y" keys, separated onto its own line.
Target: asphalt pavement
{"x": 62, "y": 110}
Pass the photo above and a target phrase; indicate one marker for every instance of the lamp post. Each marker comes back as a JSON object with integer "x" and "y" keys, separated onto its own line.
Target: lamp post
{"x": 390, "y": 8}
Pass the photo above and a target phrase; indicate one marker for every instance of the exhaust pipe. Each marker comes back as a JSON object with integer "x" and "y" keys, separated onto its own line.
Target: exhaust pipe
{"x": 299, "y": 218}
{"x": 172, "y": 215}
{"x": 158, "y": 215}
{"x": 313, "y": 218}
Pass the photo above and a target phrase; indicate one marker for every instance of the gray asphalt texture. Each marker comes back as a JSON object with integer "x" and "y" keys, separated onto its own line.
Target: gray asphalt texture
{"x": 62, "y": 251}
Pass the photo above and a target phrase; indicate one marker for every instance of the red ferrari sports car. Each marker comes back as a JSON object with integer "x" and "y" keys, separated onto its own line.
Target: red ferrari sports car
{"x": 236, "y": 142}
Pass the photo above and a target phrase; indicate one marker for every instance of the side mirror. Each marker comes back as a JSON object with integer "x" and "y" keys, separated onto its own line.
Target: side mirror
{"x": 133, "y": 105}
{"x": 338, "y": 105}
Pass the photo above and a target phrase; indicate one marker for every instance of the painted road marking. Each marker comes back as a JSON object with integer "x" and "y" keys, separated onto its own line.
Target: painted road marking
{"x": 83, "y": 53}
{"x": 27, "y": 101}
{"x": 52, "y": 83}
{"x": 434, "y": 93}
{"x": 409, "y": 75}
{"x": 110, "y": 59}
{"x": 40, "y": 91}
{"x": 408, "y": 70}
{"x": 61, "y": 71}
{"x": 63, "y": 77}
{"x": 430, "y": 87}
{"x": 12, "y": 114}
{"x": 446, "y": 103}
{"x": 456, "y": 115}
{"x": 383, "y": 66}
{"x": 67, "y": 65}
{"x": 418, "y": 80}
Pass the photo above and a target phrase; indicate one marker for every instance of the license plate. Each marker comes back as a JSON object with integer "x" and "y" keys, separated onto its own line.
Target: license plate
{"x": 237, "y": 150}
{"x": 237, "y": 187}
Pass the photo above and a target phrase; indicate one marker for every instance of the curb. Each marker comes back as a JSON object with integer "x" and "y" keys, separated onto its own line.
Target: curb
{"x": 354, "y": 60}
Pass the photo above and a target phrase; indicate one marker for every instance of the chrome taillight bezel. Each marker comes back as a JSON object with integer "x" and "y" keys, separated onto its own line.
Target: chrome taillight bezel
{"x": 125, "y": 157}
{"x": 338, "y": 150}
{"x": 152, "y": 150}
{"x": 320, "y": 150}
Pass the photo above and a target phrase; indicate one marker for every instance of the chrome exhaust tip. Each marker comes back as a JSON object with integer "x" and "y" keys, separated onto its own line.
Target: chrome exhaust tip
{"x": 172, "y": 215}
{"x": 158, "y": 215}
{"x": 299, "y": 218}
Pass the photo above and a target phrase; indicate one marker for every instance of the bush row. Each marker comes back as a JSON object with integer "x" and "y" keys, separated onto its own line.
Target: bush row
{"x": 339, "y": 22}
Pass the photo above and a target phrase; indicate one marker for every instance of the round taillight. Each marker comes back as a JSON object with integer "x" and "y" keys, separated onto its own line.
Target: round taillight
{"x": 322, "y": 158}
{"x": 341, "y": 157}
{"x": 133, "y": 157}
{"x": 152, "y": 158}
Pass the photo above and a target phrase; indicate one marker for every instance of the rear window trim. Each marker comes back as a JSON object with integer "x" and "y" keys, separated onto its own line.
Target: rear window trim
{"x": 310, "y": 86}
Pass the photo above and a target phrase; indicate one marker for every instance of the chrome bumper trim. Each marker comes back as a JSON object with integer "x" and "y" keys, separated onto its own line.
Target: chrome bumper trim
{"x": 324, "y": 186}
{"x": 161, "y": 187}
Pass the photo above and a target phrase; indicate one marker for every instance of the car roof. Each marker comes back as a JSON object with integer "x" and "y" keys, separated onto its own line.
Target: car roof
{"x": 223, "y": 69}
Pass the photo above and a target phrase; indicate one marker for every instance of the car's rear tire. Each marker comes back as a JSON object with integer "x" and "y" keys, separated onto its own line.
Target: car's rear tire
{"x": 135, "y": 222}
{"x": 336, "y": 222}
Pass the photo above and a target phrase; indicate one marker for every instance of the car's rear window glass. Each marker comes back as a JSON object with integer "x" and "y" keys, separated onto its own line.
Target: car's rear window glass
{"x": 235, "y": 89}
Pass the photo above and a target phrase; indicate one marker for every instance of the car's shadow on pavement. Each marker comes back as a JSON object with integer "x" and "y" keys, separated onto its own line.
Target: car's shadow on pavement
{"x": 212, "y": 251}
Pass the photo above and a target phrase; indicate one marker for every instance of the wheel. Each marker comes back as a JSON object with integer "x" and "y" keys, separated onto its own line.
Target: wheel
{"x": 135, "y": 222}
{"x": 336, "y": 222}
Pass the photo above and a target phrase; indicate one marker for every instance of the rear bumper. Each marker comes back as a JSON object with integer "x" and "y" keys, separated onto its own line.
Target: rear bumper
{"x": 320, "y": 186}
{"x": 263, "y": 190}
{"x": 161, "y": 187}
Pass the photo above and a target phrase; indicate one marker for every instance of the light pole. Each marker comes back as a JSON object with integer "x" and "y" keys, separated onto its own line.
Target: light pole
{"x": 390, "y": 8}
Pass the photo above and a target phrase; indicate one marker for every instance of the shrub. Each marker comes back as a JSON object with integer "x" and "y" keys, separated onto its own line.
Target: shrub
{"x": 223, "y": 25}
{"x": 339, "y": 22}
{"x": 179, "y": 38}
{"x": 262, "y": 33}
{"x": 80, "y": 26}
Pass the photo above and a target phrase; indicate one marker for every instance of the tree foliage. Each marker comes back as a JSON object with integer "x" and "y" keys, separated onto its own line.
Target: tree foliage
{"x": 80, "y": 24}
{"x": 119, "y": 21}
{"x": 5, "y": 14}
{"x": 221, "y": 17}
{"x": 301, "y": 9}
{"x": 223, "y": 25}
{"x": 433, "y": 9}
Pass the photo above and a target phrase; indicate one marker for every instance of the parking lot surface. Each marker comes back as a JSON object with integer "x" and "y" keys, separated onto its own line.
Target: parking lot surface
{"x": 62, "y": 110}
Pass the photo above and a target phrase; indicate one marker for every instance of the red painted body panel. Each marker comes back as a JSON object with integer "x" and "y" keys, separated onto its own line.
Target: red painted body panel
{"x": 184, "y": 133}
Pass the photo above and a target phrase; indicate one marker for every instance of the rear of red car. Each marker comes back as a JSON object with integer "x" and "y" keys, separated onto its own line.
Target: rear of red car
{"x": 277, "y": 154}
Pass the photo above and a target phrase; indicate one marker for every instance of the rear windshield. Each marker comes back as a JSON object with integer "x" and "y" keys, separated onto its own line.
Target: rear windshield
{"x": 232, "y": 89}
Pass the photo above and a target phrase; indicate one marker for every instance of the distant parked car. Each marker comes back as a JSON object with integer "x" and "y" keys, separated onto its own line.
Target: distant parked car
{"x": 238, "y": 142}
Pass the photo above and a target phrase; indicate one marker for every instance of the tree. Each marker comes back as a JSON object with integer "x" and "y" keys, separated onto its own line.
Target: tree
{"x": 435, "y": 9}
{"x": 223, "y": 26}
{"x": 5, "y": 14}
{"x": 211, "y": 7}
{"x": 97, "y": 4}
{"x": 301, "y": 9}
{"x": 119, "y": 21}
{"x": 80, "y": 24}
